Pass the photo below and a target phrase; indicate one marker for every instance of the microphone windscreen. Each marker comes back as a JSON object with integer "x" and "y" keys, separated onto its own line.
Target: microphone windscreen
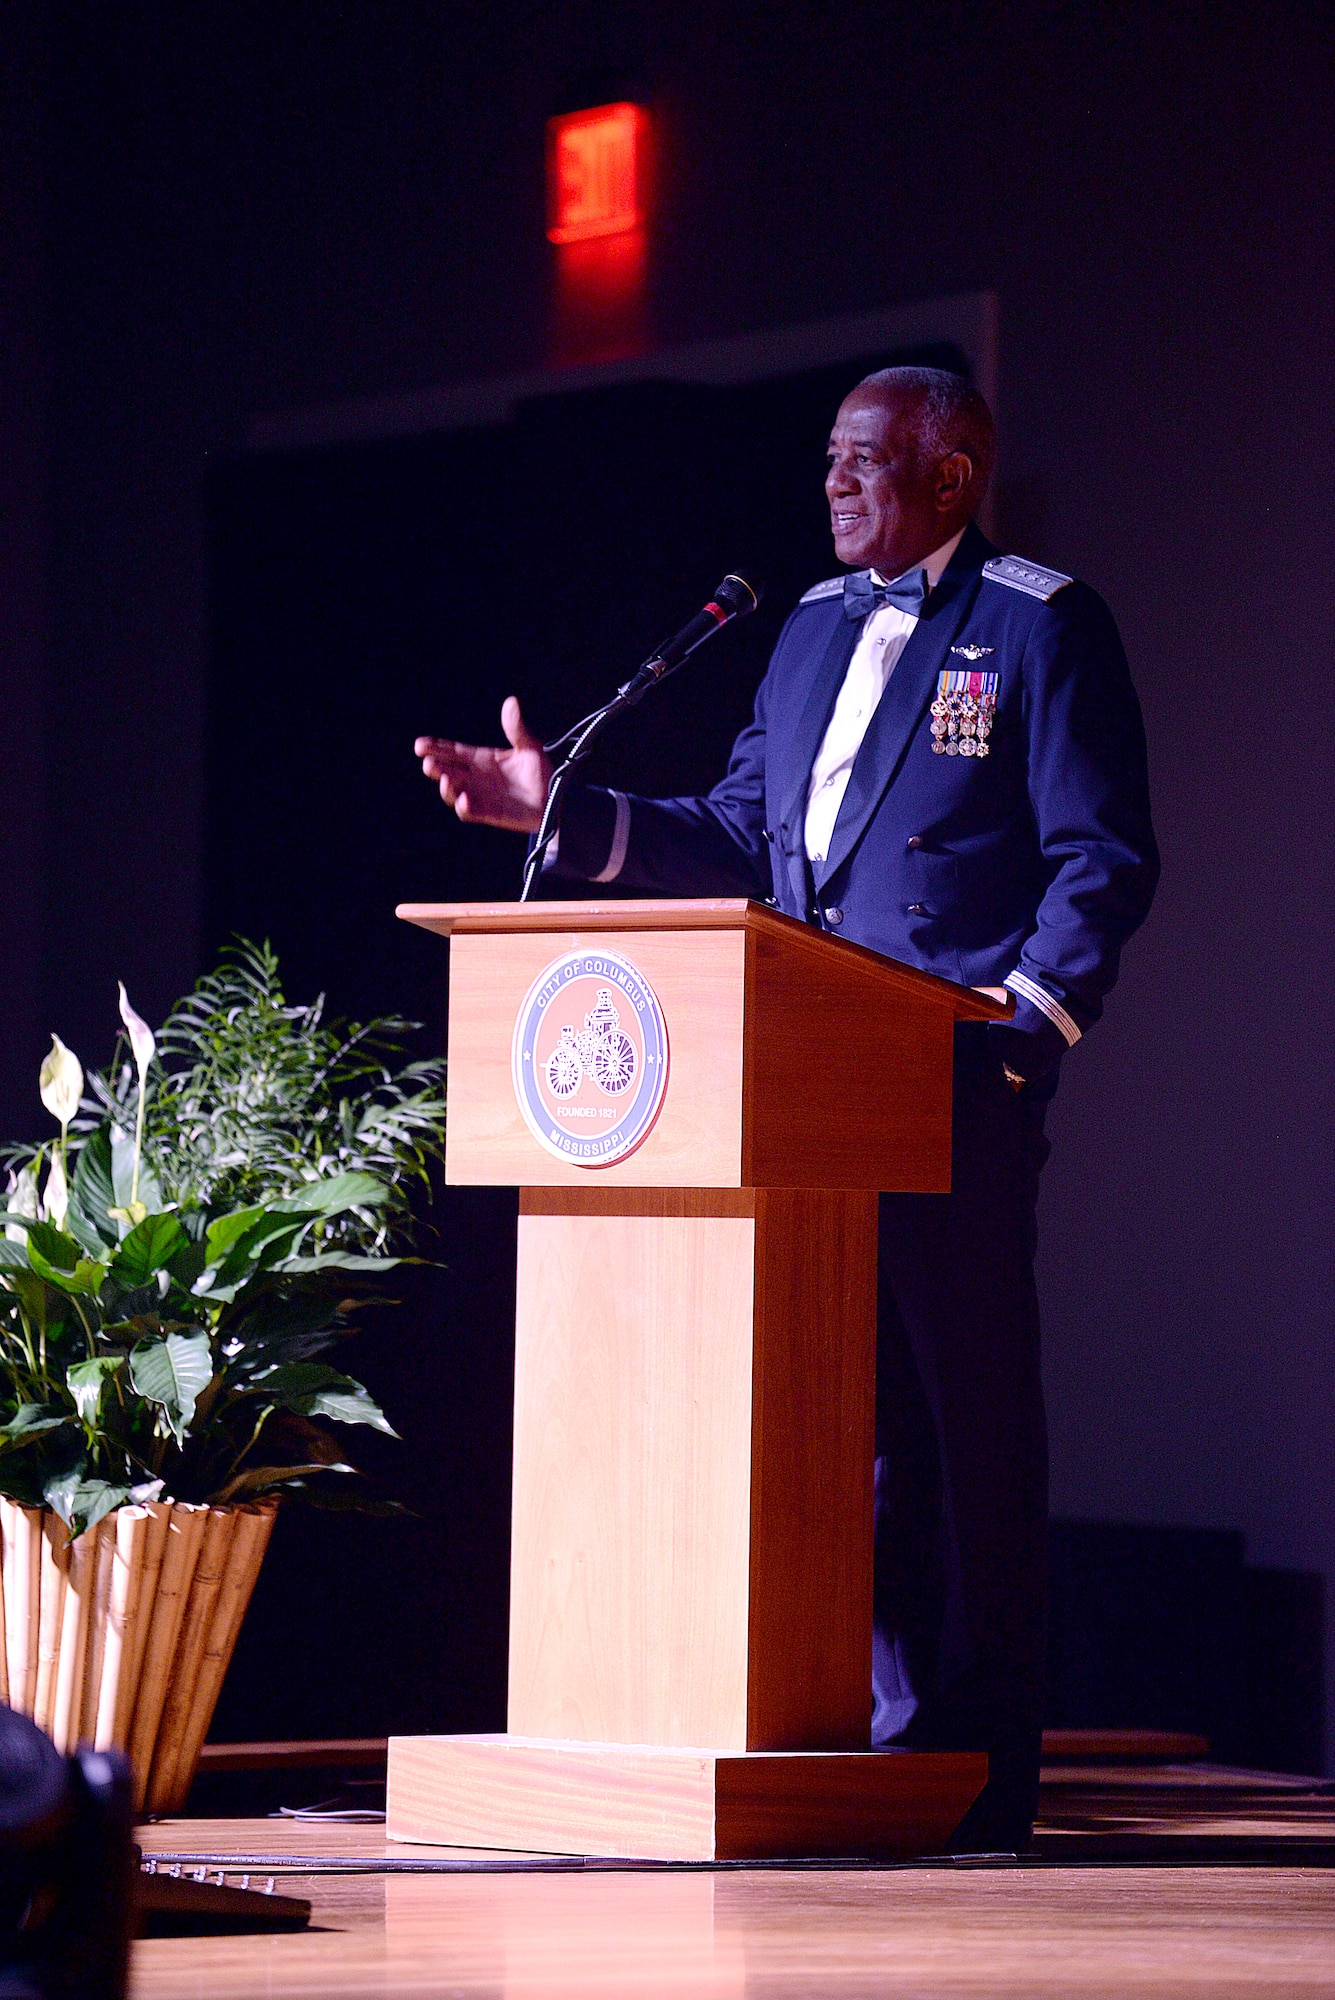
{"x": 738, "y": 596}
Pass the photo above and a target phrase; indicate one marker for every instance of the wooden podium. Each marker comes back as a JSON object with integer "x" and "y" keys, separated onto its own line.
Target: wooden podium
{"x": 699, "y": 1102}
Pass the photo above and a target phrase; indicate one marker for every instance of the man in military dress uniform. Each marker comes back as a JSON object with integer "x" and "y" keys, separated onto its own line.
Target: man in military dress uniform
{"x": 946, "y": 763}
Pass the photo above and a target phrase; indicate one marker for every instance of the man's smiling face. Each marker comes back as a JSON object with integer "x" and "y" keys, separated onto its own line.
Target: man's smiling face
{"x": 890, "y": 505}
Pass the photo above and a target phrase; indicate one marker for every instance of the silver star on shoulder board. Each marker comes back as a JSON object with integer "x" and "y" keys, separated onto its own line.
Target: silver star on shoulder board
{"x": 972, "y": 652}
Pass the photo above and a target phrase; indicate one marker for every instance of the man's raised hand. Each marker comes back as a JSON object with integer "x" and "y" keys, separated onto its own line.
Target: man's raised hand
{"x": 499, "y": 787}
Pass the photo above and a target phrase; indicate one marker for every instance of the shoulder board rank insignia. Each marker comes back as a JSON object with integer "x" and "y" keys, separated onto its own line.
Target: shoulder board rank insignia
{"x": 833, "y": 586}
{"x": 1031, "y": 578}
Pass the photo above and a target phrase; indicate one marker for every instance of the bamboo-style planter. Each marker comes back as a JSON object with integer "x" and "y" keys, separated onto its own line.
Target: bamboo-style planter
{"x": 121, "y": 1639}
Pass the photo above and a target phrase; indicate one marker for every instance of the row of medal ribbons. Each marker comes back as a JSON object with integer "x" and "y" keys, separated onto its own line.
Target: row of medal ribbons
{"x": 962, "y": 714}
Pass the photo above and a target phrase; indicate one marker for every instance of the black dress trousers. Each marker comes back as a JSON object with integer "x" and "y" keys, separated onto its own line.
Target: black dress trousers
{"x": 961, "y": 1455}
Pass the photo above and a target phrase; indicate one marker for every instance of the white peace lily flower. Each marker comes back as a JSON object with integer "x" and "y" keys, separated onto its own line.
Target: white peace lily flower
{"x": 61, "y": 1082}
{"x": 56, "y": 1199}
{"x": 141, "y": 1035}
{"x": 141, "y": 1041}
{"x": 22, "y": 1201}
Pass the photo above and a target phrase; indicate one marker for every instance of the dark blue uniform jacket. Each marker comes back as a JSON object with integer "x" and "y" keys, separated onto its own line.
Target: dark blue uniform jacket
{"x": 1038, "y": 858}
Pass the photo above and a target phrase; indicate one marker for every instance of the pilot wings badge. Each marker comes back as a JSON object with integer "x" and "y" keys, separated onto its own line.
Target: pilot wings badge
{"x": 962, "y": 714}
{"x": 973, "y": 652}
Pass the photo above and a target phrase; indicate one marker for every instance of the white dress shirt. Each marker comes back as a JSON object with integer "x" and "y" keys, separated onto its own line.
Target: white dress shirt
{"x": 883, "y": 638}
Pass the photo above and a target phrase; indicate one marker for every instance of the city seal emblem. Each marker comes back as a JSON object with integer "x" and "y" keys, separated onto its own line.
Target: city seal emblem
{"x": 590, "y": 1058}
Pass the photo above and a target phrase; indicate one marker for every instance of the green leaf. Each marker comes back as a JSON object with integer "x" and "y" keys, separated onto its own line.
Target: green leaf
{"x": 55, "y": 1258}
{"x": 85, "y": 1235}
{"x": 57, "y": 1250}
{"x": 350, "y": 1406}
{"x": 148, "y": 1248}
{"x": 59, "y": 1492}
{"x": 291, "y": 1382}
{"x": 29, "y": 1419}
{"x": 92, "y": 1192}
{"x": 86, "y": 1379}
{"x": 86, "y": 1277}
{"x": 333, "y": 1196}
{"x": 264, "y": 1242}
{"x": 273, "y": 1320}
{"x": 312, "y": 1390}
{"x": 187, "y": 1262}
{"x": 32, "y": 1461}
{"x": 34, "y": 1296}
{"x": 81, "y": 1503}
{"x": 227, "y": 1230}
{"x": 339, "y": 1260}
{"x": 260, "y": 1478}
{"x": 122, "y": 1175}
{"x": 137, "y": 1327}
{"x": 96, "y": 1498}
{"x": 173, "y": 1373}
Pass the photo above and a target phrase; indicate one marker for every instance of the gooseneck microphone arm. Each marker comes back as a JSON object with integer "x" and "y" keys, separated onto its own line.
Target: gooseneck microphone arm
{"x": 734, "y": 598}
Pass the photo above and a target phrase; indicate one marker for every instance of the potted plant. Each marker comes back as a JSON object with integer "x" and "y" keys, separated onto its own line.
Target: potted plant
{"x": 174, "y": 1269}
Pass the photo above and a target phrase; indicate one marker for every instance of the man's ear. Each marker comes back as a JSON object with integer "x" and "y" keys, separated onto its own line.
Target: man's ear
{"x": 954, "y": 477}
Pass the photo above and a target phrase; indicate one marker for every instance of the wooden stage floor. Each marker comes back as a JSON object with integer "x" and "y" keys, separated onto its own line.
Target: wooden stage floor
{"x": 1149, "y": 1884}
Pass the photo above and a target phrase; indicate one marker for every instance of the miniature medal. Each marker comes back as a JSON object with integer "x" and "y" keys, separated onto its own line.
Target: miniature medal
{"x": 965, "y": 708}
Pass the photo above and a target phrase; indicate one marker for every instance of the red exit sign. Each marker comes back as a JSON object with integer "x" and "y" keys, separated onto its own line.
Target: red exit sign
{"x": 596, "y": 172}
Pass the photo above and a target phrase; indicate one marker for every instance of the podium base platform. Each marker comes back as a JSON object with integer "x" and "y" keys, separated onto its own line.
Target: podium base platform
{"x": 646, "y": 1803}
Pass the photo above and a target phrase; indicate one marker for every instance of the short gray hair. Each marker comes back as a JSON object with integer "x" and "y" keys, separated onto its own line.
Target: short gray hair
{"x": 951, "y": 416}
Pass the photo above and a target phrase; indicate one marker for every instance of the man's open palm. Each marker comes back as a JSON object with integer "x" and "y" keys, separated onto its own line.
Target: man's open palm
{"x": 499, "y": 787}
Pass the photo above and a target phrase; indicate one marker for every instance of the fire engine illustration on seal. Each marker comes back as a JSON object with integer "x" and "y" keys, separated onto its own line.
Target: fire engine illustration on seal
{"x": 601, "y": 1050}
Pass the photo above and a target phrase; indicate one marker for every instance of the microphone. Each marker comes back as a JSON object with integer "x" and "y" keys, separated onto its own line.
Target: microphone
{"x": 734, "y": 598}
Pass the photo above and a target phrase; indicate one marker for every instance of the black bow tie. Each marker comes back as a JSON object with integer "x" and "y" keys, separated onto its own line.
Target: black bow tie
{"x": 863, "y": 594}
